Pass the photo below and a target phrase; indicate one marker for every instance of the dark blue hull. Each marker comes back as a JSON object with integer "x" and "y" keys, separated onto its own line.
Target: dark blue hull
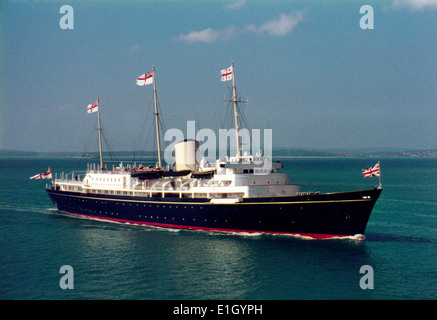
{"x": 315, "y": 215}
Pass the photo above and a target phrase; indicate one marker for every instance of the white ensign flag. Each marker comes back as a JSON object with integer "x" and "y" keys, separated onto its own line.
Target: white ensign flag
{"x": 145, "y": 79}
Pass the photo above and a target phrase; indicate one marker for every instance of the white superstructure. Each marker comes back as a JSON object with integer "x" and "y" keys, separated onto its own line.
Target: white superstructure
{"x": 232, "y": 178}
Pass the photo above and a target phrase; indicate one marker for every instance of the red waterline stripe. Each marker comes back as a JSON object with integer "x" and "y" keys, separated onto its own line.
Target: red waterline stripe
{"x": 176, "y": 226}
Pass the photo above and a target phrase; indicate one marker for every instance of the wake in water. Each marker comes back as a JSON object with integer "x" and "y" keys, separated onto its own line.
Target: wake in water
{"x": 357, "y": 237}
{"x": 29, "y": 209}
{"x": 380, "y": 237}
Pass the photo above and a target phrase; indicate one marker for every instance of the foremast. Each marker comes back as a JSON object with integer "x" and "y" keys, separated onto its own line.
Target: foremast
{"x": 144, "y": 80}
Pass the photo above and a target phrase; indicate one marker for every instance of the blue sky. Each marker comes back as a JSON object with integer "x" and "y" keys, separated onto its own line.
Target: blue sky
{"x": 309, "y": 71}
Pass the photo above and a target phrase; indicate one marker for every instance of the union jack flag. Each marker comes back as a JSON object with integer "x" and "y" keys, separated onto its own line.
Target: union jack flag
{"x": 372, "y": 171}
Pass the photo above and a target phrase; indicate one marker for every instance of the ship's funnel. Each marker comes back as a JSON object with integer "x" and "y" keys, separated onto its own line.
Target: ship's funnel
{"x": 186, "y": 155}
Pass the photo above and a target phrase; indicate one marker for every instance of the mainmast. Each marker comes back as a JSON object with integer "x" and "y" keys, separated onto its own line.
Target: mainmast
{"x": 158, "y": 136}
{"x": 234, "y": 99}
{"x": 100, "y": 133}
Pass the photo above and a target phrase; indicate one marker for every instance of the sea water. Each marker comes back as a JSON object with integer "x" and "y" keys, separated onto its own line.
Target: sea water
{"x": 124, "y": 261}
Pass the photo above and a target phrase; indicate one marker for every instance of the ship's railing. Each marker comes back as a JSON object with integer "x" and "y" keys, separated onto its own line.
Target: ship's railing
{"x": 68, "y": 181}
{"x": 70, "y": 177}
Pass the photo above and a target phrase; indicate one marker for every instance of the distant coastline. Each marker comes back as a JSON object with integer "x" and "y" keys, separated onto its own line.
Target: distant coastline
{"x": 277, "y": 153}
{"x": 358, "y": 153}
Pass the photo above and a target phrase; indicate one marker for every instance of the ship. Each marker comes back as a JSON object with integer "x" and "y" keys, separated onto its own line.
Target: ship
{"x": 233, "y": 195}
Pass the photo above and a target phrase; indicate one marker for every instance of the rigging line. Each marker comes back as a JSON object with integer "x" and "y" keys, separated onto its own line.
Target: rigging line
{"x": 150, "y": 135}
{"x": 142, "y": 129}
{"x": 91, "y": 136}
{"x": 162, "y": 123}
{"x": 222, "y": 119}
{"x": 229, "y": 88}
{"x": 243, "y": 118}
{"x": 108, "y": 146}
{"x": 146, "y": 142}
{"x": 106, "y": 140}
{"x": 226, "y": 120}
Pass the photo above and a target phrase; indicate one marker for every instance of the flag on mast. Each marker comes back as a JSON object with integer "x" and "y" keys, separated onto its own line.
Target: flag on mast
{"x": 145, "y": 79}
{"x": 227, "y": 74}
{"x": 93, "y": 107}
{"x": 45, "y": 175}
{"x": 372, "y": 171}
